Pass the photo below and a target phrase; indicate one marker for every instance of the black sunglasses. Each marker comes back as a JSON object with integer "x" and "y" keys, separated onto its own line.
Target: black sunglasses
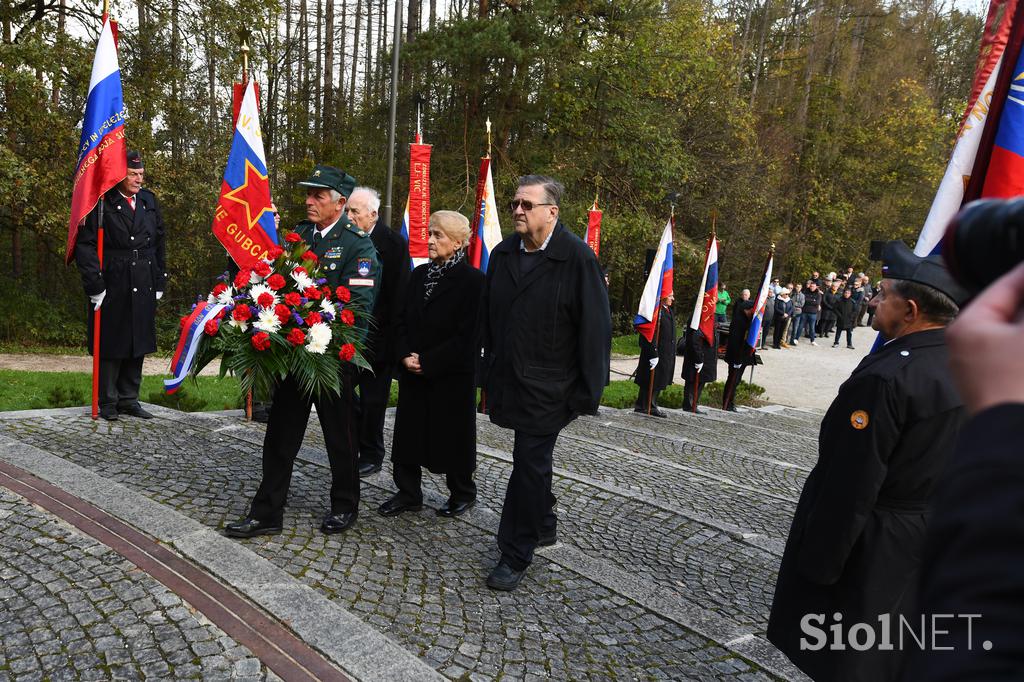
{"x": 525, "y": 203}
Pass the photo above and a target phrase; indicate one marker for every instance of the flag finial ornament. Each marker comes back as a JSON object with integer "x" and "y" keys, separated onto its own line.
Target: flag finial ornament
{"x": 488, "y": 137}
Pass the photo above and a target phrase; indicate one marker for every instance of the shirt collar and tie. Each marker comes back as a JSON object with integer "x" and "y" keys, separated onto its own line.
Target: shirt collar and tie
{"x": 320, "y": 234}
{"x": 129, "y": 198}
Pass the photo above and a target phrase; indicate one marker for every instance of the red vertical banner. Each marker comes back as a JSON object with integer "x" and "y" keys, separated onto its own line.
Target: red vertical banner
{"x": 475, "y": 249}
{"x": 419, "y": 198}
{"x": 594, "y": 229}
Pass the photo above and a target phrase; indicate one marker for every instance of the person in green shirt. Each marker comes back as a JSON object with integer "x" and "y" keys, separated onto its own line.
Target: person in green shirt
{"x": 724, "y": 299}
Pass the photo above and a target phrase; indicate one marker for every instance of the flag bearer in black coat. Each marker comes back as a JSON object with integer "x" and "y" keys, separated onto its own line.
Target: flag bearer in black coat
{"x": 700, "y": 366}
{"x": 435, "y": 423}
{"x": 738, "y": 354}
{"x": 546, "y": 336}
{"x": 657, "y": 359}
{"x": 347, "y": 257}
{"x": 375, "y": 385}
{"x": 858, "y": 534}
{"x": 126, "y": 290}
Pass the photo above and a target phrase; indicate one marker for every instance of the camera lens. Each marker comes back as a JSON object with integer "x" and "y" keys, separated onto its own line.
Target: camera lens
{"x": 985, "y": 241}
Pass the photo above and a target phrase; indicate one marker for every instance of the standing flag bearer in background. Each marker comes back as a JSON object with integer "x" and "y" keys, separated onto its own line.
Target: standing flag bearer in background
{"x": 759, "y": 303}
{"x": 486, "y": 229}
{"x": 656, "y": 327}
{"x": 700, "y": 361}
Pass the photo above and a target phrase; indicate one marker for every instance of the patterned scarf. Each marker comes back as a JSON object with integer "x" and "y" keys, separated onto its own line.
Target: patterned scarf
{"x": 435, "y": 272}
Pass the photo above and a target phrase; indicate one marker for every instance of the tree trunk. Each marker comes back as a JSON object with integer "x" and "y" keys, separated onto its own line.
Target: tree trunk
{"x": 327, "y": 108}
{"x": 59, "y": 44}
{"x": 355, "y": 58}
{"x": 318, "y": 74}
{"x": 369, "y": 53}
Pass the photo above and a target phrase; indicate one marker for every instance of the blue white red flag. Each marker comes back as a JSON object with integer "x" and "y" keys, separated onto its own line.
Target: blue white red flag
{"x": 188, "y": 343}
{"x": 703, "y": 318}
{"x": 486, "y": 230}
{"x": 413, "y": 260}
{"x": 753, "y": 336}
{"x": 658, "y": 286}
{"x": 244, "y": 221}
{"x": 102, "y": 150}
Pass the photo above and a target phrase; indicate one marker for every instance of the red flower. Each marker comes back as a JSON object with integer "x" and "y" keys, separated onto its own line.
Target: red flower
{"x": 184, "y": 319}
{"x": 242, "y": 278}
{"x": 293, "y": 299}
{"x": 326, "y": 290}
{"x": 274, "y": 252}
{"x": 309, "y": 255}
{"x": 261, "y": 269}
{"x": 347, "y": 352}
{"x": 313, "y": 318}
{"x": 223, "y": 312}
{"x": 282, "y": 312}
{"x": 265, "y": 300}
{"x": 211, "y": 327}
{"x": 343, "y": 294}
{"x": 241, "y": 313}
{"x": 260, "y": 341}
{"x": 299, "y": 270}
{"x": 292, "y": 238}
{"x": 312, "y": 293}
{"x": 348, "y": 317}
{"x": 275, "y": 282}
{"x": 219, "y": 289}
{"x": 296, "y": 337}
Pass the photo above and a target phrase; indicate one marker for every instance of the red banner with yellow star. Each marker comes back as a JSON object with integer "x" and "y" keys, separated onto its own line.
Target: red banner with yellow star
{"x": 243, "y": 220}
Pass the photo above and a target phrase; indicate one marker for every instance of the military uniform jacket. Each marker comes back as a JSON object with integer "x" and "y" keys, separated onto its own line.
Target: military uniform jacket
{"x": 347, "y": 258}
{"x": 134, "y": 269}
{"x": 546, "y": 335}
{"x": 859, "y": 529}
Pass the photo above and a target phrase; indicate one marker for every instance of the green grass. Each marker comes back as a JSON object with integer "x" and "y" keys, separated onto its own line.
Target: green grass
{"x": 21, "y": 390}
{"x": 623, "y": 394}
{"x": 629, "y": 344}
{"x": 16, "y": 348}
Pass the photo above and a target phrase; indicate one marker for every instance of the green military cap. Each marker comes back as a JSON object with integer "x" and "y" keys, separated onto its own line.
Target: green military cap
{"x": 331, "y": 178}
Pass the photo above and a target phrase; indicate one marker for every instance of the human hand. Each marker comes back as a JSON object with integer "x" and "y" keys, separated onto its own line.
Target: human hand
{"x": 986, "y": 345}
{"x": 654, "y": 362}
{"x": 698, "y": 366}
{"x": 412, "y": 363}
{"x": 97, "y": 299}
{"x": 159, "y": 295}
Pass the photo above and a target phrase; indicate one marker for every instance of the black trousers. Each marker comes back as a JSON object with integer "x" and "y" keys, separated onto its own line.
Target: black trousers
{"x": 288, "y": 418}
{"x": 374, "y": 391}
{"x": 691, "y": 394}
{"x": 849, "y": 337}
{"x": 529, "y": 508}
{"x": 729, "y": 392}
{"x": 780, "y": 327}
{"x": 461, "y": 487}
{"x": 119, "y": 382}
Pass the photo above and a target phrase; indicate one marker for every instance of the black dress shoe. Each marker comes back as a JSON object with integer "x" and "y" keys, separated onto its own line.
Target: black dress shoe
{"x": 396, "y": 504}
{"x": 504, "y": 577}
{"x": 450, "y": 508}
{"x": 547, "y": 539}
{"x": 250, "y": 527}
{"x": 655, "y": 412}
{"x": 109, "y": 415}
{"x": 336, "y": 523}
{"x": 135, "y": 411}
{"x": 368, "y": 468}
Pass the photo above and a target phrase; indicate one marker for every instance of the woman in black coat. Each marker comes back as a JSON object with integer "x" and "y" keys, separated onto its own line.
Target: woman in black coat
{"x": 828, "y": 309}
{"x": 435, "y": 424}
{"x": 846, "y": 317}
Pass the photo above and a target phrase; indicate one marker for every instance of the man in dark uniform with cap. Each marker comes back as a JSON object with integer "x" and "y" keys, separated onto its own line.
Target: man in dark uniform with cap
{"x": 700, "y": 366}
{"x": 348, "y": 259}
{"x": 657, "y": 361}
{"x": 859, "y": 528}
{"x": 127, "y": 288}
{"x": 738, "y": 355}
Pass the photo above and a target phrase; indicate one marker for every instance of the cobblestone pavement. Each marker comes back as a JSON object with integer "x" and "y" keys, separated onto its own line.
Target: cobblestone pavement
{"x": 670, "y": 533}
{"x": 75, "y": 610}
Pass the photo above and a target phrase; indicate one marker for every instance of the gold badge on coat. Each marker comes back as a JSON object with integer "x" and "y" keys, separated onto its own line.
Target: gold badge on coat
{"x": 859, "y": 420}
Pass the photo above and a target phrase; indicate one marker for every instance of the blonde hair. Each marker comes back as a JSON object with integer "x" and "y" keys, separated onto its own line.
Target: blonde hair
{"x": 453, "y": 224}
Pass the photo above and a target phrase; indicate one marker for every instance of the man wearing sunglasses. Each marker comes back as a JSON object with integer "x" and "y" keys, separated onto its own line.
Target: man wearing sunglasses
{"x": 546, "y": 337}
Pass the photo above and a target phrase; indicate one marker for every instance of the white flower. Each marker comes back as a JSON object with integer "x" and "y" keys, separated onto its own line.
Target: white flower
{"x": 238, "y": 325}
{"x": 267, "y": 321}
{"x": 319, "y": 336}
{"x": 328, "y": 307}
{"x": 258, "y": 289}
{"x": 224, "y": 298}
{"x": 254, "y": 278}
{"x": 302, "y": 280}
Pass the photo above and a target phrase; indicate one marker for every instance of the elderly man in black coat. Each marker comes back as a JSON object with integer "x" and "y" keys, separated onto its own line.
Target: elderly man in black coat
{"x": 855, "y": 545}
{"x": 546, "y": 336}
{"x": 738, "y": 354}
{"x": 375, "y": 385}
{"x": 435, "y": 423}
{"x": 657, "y": 361}
{"x": 127, "y": 288}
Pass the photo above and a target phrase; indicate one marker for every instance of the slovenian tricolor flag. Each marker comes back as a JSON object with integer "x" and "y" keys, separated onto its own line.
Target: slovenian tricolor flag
{"x": 486, "y": 230}
{"x": 762, "y": 298}
{"x": 243, "y": 221}
{"x": 102, "y": 151}
{"x": 658, "y": 286}
{"x": 188, "y": 343}
{"x": 703, "y": 318}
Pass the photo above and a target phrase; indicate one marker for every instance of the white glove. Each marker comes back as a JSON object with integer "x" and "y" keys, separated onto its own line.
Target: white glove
{"x": 698, "y": 367}
{"x": 654, "y": 362}
{"x": 159, "y": 295}
{"x": 97, "y": 299}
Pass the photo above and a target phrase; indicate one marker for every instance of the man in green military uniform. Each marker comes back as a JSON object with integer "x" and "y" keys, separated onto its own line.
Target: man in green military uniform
{"x": 348, "y": 258}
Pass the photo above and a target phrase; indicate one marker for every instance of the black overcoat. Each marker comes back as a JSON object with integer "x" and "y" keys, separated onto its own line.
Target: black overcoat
{"x": 737, "y": 352}
{"x": 859, "y": 530}
{"x": 664, "y": 348}
{"x": 696, "y": 351}
{"x": 435, "y": 423}
{"x": 546, "y": 335}
{"x": 828, "y": 305}
{"x": 134, "y": 269}
{"x": 846, "y": 313}
{"x": 393, "y": 254}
